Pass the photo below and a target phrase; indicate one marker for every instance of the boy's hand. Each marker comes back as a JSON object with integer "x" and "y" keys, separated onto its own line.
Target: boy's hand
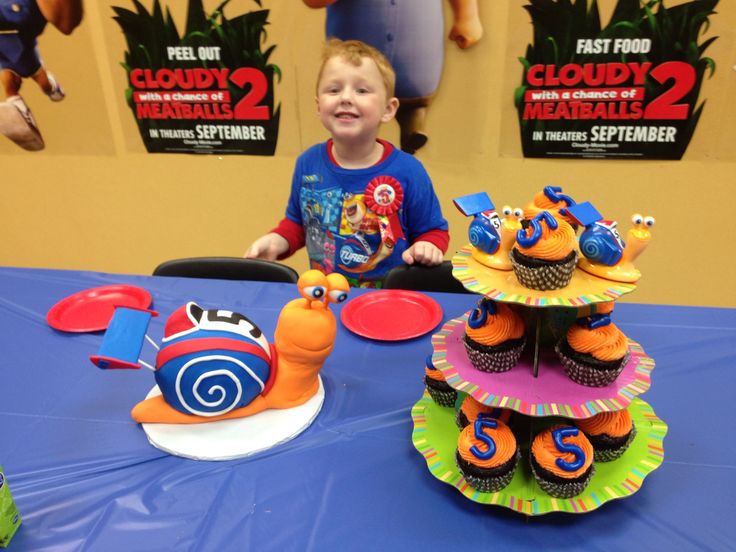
{"x": 422, "y": 252}
{"x": 269, "y": 247}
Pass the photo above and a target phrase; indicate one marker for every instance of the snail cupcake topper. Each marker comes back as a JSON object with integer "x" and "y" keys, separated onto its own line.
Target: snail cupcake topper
{"x": 603, "y": 252}
{"x": 489, "y": 234}
{"x": 216, "y": 364}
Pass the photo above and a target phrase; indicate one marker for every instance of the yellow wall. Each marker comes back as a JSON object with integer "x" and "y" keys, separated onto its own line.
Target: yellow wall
{"x": 94, "y": 200}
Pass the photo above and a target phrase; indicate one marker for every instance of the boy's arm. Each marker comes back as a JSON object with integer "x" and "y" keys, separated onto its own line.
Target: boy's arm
{"x": 439, "y": 238}
{"x": 293, "y": 233}
{"x": 65, "y": 15}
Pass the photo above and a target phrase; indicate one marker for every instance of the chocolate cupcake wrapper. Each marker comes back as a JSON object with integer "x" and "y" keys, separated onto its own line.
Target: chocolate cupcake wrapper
{"x": 501, "y": 361}
{"x": 443, "y": 398}
{"x": 543, "y": 278}
{"x": 490, "y": 484}
{"x": 563, "y": 490}
{"x": 607, "y": 455}
{"x": 460, "y": 420}
{"x": 587, "y": 375}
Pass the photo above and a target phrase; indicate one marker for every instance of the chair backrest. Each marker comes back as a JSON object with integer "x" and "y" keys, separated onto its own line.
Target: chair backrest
{"x": 424, "y": 278}
{"x": 227, "y": 268}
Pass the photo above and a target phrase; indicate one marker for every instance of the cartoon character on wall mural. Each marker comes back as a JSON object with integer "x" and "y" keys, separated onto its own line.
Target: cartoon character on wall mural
{"x": 21, "y": 22}
{"x": 410, "y": 33}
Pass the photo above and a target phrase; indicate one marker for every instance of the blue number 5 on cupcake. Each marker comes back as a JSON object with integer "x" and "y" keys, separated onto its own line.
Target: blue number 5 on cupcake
{"x": 480, "y": 424}
{"x": 558, "y": 435}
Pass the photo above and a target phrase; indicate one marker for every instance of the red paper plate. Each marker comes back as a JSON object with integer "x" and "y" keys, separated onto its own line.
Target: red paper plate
{"x": 391, "y": 315}
{"x": 90, "y": 310}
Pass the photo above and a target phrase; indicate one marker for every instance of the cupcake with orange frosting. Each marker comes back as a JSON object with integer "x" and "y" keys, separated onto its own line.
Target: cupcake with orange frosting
{"x": 470, "y": 409}
{"x": 610, "y": 433}
{"x": 494, "y": 336}
{"x": 594, "y": 351}
{"x": 561, "y": 459}
{"x": 487, "y": 455}
{"x": 437, "y": 386}
{"x": 544, "y": 255}
{"x": 552, "y": 200}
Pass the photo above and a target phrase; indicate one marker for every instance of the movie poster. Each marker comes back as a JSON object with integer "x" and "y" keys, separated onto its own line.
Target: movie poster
{"x": 626, "y": 89}
{"x": 414, "y": 36}
{"x": 206, "y": 89}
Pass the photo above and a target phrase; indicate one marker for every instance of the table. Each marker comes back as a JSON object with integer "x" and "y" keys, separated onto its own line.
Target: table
{"x": 85, "y": 477}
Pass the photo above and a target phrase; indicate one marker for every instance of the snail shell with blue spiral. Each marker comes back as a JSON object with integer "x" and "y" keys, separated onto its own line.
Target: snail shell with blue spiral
{"x": 601, "y": 243}
{"x": 212, "y": 361}
{"x": 483, "y": 232}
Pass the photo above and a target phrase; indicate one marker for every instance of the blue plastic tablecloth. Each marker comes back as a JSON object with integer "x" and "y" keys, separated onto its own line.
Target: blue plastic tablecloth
{"x": 85, "y": 477}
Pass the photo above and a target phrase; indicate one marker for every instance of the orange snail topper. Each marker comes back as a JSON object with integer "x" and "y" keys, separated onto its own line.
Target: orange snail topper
{"x": 217, "y": 365}
{"x": 490, "y": 235}
{"x": 603, "y": 252}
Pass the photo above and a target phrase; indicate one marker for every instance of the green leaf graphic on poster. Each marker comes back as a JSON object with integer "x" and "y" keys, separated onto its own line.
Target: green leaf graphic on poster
{"x": 208, "y": 90}
{"x": 629, "y": 89}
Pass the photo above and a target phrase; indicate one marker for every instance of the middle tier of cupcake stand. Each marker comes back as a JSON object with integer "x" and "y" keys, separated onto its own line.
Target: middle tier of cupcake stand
{"x": 540, "y": 394}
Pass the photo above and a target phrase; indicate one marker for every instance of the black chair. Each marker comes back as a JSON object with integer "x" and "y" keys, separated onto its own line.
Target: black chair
{"x": 228, "y": 268}
{"x": 424, "y": 278}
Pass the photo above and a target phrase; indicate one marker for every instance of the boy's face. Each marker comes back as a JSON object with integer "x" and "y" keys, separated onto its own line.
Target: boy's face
{"x": 352, "y": 102}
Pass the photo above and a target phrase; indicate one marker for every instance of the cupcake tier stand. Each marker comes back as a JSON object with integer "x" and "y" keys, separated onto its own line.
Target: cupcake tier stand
{"x": 435, "y": 437}
{"x": 502, "y": 285}
{"x": 548, "y": 394}
{"x": 539, "y": 390}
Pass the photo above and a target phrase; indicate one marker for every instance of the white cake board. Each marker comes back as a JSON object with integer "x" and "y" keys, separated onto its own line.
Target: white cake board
{"x": 237, "y": 438}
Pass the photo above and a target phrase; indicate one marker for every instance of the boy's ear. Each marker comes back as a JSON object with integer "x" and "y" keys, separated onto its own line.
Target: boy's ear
{"x": 391, "y": 107}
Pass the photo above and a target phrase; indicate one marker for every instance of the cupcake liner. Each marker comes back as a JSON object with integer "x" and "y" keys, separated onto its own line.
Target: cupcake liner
{"x": 490, "y": 484}
{"x": 607, "y": 455}
{"x": 442, "y": 396}
{"x": 493, "y": 359}
{"x": 461, "y": 420}
{"x": 545, "y": 277}
{"x": 588, "y": 375}
{"x": 568, "y": 489}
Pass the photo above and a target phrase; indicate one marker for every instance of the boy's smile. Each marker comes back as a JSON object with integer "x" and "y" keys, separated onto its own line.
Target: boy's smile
{"x": 352, "y": 102}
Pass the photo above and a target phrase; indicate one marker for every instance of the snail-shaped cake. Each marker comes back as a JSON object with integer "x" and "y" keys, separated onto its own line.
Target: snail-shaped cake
{"x": 216, "y": 365}
{"x": 489, "y": 234}
{"x": 603, "y": 252}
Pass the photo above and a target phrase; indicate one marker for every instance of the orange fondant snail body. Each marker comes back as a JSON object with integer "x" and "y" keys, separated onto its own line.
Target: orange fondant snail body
{"x": 304, "y": 337}
{"x": 624, "y": 270}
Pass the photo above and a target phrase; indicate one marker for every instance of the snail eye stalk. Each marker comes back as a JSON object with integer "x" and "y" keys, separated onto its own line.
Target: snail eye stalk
{"x": 337, "y": 296}
{"x": 314, "y": 293}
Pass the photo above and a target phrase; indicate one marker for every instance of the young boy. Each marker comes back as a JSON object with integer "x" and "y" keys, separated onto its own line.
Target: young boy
{"x": 361, "y": 205}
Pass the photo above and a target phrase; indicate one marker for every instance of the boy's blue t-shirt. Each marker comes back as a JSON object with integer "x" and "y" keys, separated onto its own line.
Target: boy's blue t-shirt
{"x": 359, "y": 221}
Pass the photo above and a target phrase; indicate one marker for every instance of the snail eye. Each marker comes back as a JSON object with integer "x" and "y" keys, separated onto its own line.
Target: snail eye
{"x": 337, "y": 295}
{"x": 506, "y": 210}
{"x": 649, "y": 221}
{"x": 518, "y": 212}
{"x": 315, "y": 292}
{"x": 637, "y": 218}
